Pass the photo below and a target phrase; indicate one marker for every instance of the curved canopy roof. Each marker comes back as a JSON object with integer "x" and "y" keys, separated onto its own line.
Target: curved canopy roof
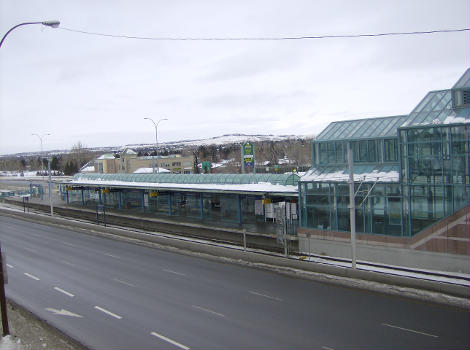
{"x": 275, "y": 179}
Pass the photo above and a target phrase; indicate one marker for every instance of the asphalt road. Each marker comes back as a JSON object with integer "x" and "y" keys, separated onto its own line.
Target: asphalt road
{"x": 109, "y": 294}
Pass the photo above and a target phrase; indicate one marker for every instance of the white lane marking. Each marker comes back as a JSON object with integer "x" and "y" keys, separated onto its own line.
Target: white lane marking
{"x": 31, "y": 276}
{"x": 108, "y": 312}
{"x": 68, "y": 263}
{"x": 265, "y": 296}
{"x": 327, "y": 348}
{"x": 174, "y": 272}
{"x": 410, "y": 330}
{"x": 171, "y": 341}
{"x": 30, "y": 249}
{"x": 124, "y": 282}
{"x": 112, "y": 256}
{"x": 10, "y": 266}
{"x": 207, "y": 310}
{"x": 64, "y": 292}
{"x": 63, "y": 312}
{"x": 69, "y": 244}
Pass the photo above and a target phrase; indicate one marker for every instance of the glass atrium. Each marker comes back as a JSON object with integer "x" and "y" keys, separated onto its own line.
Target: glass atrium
{"x": 410, "y": 171}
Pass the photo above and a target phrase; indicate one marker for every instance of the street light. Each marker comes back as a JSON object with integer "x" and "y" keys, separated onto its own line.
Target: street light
{"x": 52, "y": 24}
{"x": 156, "y": 141}
{"x": 49, "y": 171}
{"x": 42, "y": 163}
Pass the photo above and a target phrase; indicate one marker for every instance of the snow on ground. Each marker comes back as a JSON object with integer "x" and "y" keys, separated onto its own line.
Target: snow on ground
{"x": 7, "y": 343}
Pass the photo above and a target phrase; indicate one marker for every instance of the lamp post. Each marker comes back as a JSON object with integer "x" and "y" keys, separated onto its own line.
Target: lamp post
{"x": 156, "y": 141}
{"x": 49, "y": 171}
{"x": 52, "y": 24}
{"x": 42, "y": 163}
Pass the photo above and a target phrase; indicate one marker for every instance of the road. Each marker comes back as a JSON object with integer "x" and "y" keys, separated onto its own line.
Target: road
{"x": 109, "y": 294}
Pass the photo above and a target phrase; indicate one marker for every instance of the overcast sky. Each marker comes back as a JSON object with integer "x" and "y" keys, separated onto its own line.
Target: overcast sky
{"x": 97, "y": 90}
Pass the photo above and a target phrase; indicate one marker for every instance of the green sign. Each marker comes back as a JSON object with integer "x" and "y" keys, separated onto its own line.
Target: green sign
{"x": 248, "y": 149}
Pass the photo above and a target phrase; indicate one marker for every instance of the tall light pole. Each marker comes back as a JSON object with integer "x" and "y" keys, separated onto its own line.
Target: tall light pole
{"x": 52, "y": 24}
{"x": 49, "y": 171}
{"x": 156, "y": 141}
{"x": 40, "y": 139}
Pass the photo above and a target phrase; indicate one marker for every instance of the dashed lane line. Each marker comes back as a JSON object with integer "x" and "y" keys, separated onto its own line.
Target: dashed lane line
{"x": 10, "y": 266}
{"x": 124, "y": 282}
{"x": 112, "y": 256}
{"x": 265, "y": 296}
{"x": 171, "y": 341}
{"x": 64, "y": 292}
{"x": 410, "y": 330}
{"x": 208, "y": 311}
{"x": 32, "y": 276}
{"x": 108, "y": 312}
{"x": 174, "y": 272}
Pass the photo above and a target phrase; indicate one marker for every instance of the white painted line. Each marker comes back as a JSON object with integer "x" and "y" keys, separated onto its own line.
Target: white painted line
{"x": 207, "y": 310}
{"x": 10, "y": 266}
{"x": 64, "y": 292}
{"x": 174, "y": 272}
{"x": 112, "y": 256}
{"x": 68, "y": 263}
{"x": 410, "y": 330}
{"x": 327, "y": 348}
{"x": 108, "y": 312}
{"x": 181, "y": 346}
{"x": 31, "y": 276}
{"x": 265, "y": 296}
{"x": 69, "y": 244}
{"x": 124, "y": 282}
{"x": 30, "y": 249}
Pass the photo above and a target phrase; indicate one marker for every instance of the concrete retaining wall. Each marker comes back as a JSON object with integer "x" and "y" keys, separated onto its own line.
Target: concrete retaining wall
{"x": 412, "y": 258}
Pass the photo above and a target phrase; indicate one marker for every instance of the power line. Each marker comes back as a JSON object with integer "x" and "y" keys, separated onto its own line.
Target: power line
{"x": 281, "y": 38}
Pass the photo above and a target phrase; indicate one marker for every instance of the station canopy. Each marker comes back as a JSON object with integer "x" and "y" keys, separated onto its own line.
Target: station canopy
{"x": 219, "y": 179}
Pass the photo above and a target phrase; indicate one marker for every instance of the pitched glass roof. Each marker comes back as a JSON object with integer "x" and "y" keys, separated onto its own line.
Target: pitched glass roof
{"x": 367, "y": 173}
{"x": 464, "y": 81}
{"x": 362, "y": 128}
{"x": 275, "y": 179}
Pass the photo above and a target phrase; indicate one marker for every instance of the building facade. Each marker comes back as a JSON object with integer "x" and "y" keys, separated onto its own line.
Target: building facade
{"x": 410, "y": 171}
{"x": 129, "y": 162}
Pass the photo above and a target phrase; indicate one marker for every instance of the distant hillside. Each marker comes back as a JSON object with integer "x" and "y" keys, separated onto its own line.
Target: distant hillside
{"x": 290, "y": 151}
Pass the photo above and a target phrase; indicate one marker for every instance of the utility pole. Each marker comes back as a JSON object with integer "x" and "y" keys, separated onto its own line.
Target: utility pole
{"x": 352, "y": 206}
{"x": 3, "y": 302}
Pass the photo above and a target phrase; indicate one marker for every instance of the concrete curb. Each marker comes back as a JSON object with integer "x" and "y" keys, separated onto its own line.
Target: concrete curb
{"x": 439, "y": 292}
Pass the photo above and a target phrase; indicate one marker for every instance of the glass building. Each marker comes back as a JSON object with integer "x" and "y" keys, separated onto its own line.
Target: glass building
{"x": 410, "y": 171}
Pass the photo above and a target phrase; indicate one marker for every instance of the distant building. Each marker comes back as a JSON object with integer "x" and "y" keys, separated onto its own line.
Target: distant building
{"x": 129, "y": 162}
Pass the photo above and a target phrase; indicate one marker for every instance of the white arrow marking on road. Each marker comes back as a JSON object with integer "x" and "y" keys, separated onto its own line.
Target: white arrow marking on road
{"x": 63, "y": 312}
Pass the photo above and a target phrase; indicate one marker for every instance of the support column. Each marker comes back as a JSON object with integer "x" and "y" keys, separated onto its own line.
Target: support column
{"x": 239, "y": 209}
{"x": 120, "y": 199}
{"x": 143, "y": 201}
{"x": 99, "y": 196}
{"x": 169, "y": 203}
{"x": 201, "y": 205}
{"x": 83, "y": 197}
{"x": 67, "y": 196}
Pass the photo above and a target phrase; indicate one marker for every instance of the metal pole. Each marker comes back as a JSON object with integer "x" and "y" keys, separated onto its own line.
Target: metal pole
{"x": 50, "y": 186}
{"x": 3, "y": 302}
{"x": 352, "y": 206}
{"x": 244, "y": 239}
